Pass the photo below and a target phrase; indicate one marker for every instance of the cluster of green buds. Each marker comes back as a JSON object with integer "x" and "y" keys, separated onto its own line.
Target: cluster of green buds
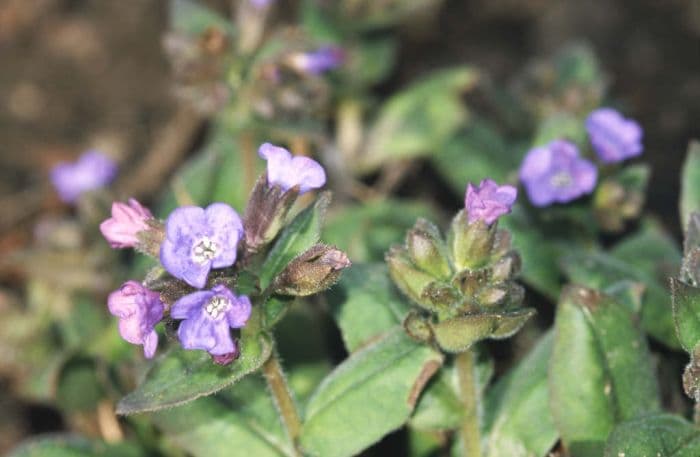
{"x": 465, "y": 284}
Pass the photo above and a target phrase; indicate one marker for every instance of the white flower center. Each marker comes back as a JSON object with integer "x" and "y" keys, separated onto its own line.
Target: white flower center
{"x": 217, "y": 306}
{"x": 561, "y": 179}
{"x": 204, "y": 250}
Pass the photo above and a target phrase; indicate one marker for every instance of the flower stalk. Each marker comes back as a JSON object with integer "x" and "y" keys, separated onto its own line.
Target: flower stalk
{"x": 469, "y": 394}
{"x": 282, "y": 395}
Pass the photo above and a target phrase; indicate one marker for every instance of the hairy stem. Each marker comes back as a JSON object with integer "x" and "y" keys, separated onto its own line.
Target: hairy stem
{"x": 469, "y": 393}
{"x": 283, "y": 396}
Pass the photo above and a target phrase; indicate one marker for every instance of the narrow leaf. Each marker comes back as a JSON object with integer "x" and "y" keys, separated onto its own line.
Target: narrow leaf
{"x": 370, "y": 394}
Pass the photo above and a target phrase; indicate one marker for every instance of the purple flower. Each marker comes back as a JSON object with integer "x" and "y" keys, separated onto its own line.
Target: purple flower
{"x": 613, "y": 137}
{"x": 488, "y": 201}
{"x": 197, "y": 240}
{"x": 556, "y": 174}
{"x": 127, "y": 221}
{"x": 91, "y": 171}
{"x": 208, "y": 315}
{"x": 319, "y": 61}
{"x": 139, "y": 310}
{"x": 286, "y": 171}
{"x": 261, "y": 3}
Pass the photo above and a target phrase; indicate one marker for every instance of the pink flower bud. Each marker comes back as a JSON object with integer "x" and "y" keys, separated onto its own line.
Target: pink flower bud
{"x": 127, "y": 221}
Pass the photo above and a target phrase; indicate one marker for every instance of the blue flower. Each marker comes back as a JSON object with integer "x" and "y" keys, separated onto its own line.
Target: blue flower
{"x": 613, "y": 137}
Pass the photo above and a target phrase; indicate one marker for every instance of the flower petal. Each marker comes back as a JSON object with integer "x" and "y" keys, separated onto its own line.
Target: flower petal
{"x": 239, "y": 313}
{"x": 189, "y": 305}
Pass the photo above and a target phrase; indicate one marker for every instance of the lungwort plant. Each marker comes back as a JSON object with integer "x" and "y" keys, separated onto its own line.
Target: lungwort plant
{"x": 525, "y": 312}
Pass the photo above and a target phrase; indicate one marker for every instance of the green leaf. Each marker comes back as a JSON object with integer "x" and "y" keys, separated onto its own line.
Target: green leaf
{"x": 240, "y": 420}
{"x": 477, "y": 152}
{"x": 516, "y": 399}
{"x": 367, "y": 396}
{"x": 690, "y": 183}
{"x": 365, "y": 232}
{"x": 73, "y": 446}
{"x": 192, "y": 18}
{"x": 365, "y": 304}
{"x": 600, "y": 371}
{"x": 302, "y": 233}
{"x": 420, "y": 119}
{"x": 648, "y": 257}
{"x": 539, "y": 256}
{"x": 686, "y": 313}
{"x": 180, "y": 376}
{"x": 662, "y": 435}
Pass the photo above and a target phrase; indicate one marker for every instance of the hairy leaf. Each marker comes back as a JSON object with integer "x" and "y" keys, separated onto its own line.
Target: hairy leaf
{"x": 370, "y": 394}
{"x": 180, "y": 376}
{"x": 663, "y": 435}
{"x": 365, "y": 304}
{"x": 600, "y": 370}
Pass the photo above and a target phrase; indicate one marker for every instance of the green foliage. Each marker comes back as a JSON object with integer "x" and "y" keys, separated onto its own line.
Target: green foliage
{"x": 516, "y": 408}
{"x": 420, "y": 119}
{"x": 193, "y": 18}
{"x": 74, "y": 446}
{"x": 302, "y": 233}
{"x": 477, "y": 152}
{"x": 367, "y": 396}
{"x": 600, "y": 370}
{"x": 365, "y": 231}
{"x": 648, "y": 257}
{"x": 220, "y": 172}
{"x": 690, "y": 183}
{"x": 686, "y": 313}
{"x": 365, "y": 304}
{"x": 239, "y": 420}
{"x": 654, "y": 435}
{"x": 538, "y": 252}
{"x": 180, "y": 376}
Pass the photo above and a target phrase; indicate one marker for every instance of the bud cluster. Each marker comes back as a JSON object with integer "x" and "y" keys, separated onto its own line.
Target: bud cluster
{"x": 464, "y": 285}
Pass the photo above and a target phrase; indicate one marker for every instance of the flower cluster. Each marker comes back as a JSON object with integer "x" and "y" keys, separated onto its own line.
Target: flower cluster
{"x": 192, "y": 242}
{"x": 556, "y": 173}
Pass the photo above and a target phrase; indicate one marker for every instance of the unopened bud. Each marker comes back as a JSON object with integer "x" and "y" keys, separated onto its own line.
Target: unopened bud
{"x": 427, "y": 250}
{"x": 407, "y": 277}
{"x": 313, "y": 271}
{"x": 471, "y": 244}
{"x": 266, "y": 213}
{"x": 417, "y": 327}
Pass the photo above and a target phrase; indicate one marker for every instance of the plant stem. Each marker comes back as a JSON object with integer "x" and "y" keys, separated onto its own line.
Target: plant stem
{"x": 469, "y": 393}
{"x": 283, "y": 397}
